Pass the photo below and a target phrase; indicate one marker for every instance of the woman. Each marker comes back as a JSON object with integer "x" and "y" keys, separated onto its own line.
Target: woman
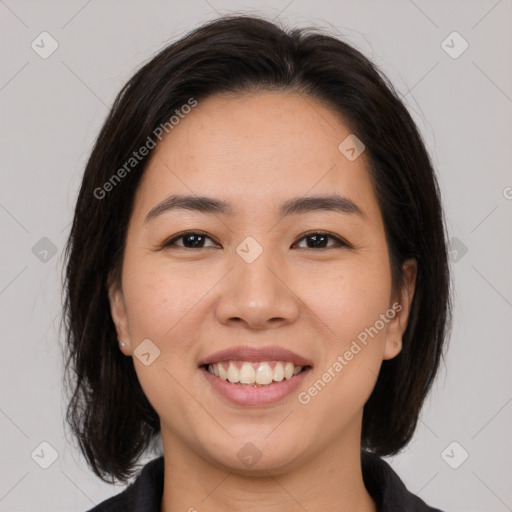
{"x": 256, "y": 275}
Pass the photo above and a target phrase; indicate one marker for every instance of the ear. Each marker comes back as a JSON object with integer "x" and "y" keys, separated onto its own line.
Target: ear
{"x": 401, "y": 306}
{"x": 118, "y": 312}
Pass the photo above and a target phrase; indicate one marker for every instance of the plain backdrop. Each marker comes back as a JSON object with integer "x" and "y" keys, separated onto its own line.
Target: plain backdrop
{"x": 51, "y": 111}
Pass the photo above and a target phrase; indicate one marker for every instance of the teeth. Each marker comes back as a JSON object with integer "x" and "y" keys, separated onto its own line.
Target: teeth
{"x": 288, "y": 371}
{"x": 233, "y": 374}
{"x": 264, "y": 374}
{"x": 223, "y": 374}
{"x": 278, "y": 372}
{"x": 261, "y": 374}
{"x": 247, "y": 374}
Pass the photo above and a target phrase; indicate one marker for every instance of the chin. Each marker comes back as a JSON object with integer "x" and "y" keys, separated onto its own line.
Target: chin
{"x": 256, "y": 455}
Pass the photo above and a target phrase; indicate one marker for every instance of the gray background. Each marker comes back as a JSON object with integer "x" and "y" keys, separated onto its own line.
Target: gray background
{"x": 52, "y": 110}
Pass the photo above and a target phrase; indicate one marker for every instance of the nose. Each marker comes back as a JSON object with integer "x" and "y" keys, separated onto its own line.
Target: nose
{"x": 259, "y": 294}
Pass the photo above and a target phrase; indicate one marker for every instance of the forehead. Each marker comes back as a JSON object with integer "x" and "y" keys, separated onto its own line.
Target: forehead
{"x": 256, "y": 149}
{"x": 257, "y": 130}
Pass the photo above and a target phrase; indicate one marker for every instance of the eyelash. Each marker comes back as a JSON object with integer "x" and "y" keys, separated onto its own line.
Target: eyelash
{"x": 339, "y": 241}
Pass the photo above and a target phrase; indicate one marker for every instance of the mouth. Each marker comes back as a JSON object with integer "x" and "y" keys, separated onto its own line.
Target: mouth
{"x": 249, "y": 376}
{"x": 255, "y": 374}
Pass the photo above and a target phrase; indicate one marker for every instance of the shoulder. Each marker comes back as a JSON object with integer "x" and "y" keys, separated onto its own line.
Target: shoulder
{"x": 386, "y": 488}
{"x": 143, "y": 495}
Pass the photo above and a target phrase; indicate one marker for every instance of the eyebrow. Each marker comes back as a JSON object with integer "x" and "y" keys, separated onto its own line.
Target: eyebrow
{"x": 297, "y": 205}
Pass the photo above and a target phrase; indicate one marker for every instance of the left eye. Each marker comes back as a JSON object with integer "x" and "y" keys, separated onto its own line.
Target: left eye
{"x": 319, "y": 241}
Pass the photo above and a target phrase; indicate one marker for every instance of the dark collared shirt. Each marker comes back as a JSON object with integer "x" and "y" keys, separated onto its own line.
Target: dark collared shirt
{"x": 383, "y": 484}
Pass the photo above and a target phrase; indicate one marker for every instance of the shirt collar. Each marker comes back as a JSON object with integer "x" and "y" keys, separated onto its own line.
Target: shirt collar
{"x": 383, "y": 484}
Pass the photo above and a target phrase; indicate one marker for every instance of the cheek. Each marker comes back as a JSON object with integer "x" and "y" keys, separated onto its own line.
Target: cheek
{"x": 351, "y": 303}
{"x": 163, "y": 304}
{"x": 350, "y": 359}
{"x": 350, "y": 299}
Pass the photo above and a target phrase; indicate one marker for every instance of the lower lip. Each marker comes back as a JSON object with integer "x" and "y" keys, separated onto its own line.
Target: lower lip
{"x": 241, "y": 394}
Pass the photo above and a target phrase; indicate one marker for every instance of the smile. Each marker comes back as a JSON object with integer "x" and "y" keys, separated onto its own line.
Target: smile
{"x": 254, "y": 373}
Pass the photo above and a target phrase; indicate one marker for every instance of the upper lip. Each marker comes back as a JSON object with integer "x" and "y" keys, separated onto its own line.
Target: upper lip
{"x": 253, "y": 354}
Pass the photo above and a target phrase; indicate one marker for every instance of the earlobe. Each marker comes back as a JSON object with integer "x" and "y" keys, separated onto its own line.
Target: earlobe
{"x": 392, "y": 349}
{"x": 402, "y": 306}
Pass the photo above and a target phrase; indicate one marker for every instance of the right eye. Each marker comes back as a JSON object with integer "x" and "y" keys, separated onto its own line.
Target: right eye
{"x": 191, "y": 240}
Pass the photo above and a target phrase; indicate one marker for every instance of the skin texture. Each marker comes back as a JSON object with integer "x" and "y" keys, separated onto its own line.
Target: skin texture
{"x": 256, "y": 151}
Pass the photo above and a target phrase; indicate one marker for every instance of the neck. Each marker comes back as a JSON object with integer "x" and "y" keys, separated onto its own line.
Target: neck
{"x": 331, "y": 481}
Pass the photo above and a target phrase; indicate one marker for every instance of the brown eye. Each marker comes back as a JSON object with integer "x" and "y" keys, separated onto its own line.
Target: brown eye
{"x": 191, "y": 240}
{"x": 320, "y": 240}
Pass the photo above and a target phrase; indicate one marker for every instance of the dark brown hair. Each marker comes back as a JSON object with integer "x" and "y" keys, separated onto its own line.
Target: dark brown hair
{"x": 108, "y": 411}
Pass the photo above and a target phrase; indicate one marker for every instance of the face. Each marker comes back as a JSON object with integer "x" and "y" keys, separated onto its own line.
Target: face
{"x": 281, "y": 280}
